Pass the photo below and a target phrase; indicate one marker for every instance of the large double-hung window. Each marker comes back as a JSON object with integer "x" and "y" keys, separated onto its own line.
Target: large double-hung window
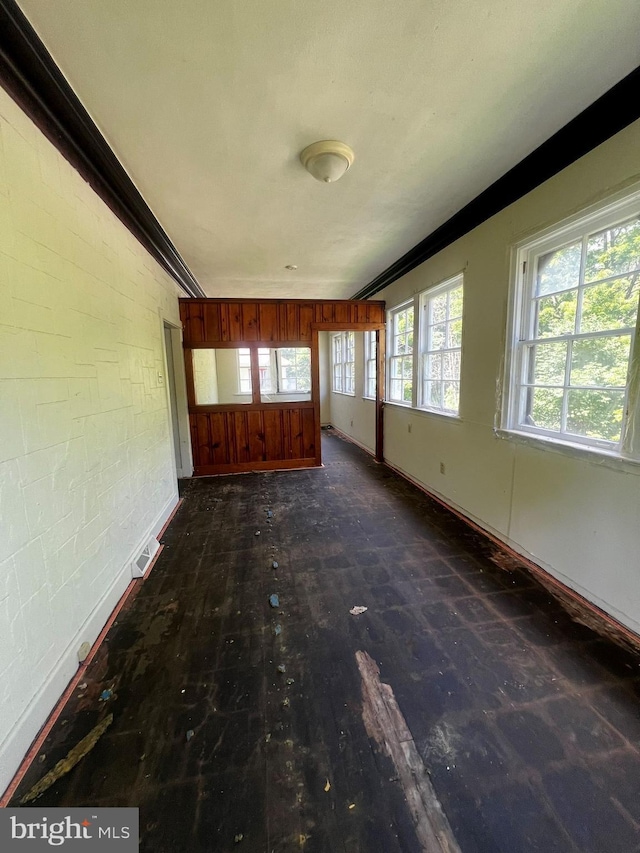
{"x": 401, "y": 368}
{"x": 425, "y": 349}
{"x": 575, "y": 358}
{"x": 343, "y": 362}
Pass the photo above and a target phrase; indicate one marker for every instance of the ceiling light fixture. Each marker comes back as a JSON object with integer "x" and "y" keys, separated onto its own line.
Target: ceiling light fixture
{"x": 328, "y": 160}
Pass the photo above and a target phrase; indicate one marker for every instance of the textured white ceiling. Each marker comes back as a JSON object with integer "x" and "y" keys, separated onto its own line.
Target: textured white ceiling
{"x": 207, "y": 104}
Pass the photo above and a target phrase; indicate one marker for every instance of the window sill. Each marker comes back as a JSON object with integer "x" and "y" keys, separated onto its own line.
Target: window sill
{"x": 593, "y": 455}
{"x": 420, "y": 411}
{"x": 344, "y": 393}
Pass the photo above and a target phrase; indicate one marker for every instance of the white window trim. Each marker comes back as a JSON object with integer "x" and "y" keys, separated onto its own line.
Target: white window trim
{"x": 367, "y": 360}
{"x": 616, "y": 208}
{"x": 424, "y": 298}
{"x": 398, "y": 309}
{"x": 274, "y": 368}
{"x": 342, "y": 364}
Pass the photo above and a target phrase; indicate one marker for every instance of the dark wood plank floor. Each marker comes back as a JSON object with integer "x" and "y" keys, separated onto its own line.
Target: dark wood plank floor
{"x": 527, "y": 723}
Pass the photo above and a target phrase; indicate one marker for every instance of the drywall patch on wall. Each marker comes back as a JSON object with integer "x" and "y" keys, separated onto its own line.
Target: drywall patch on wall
{"x": 86, "y": 465}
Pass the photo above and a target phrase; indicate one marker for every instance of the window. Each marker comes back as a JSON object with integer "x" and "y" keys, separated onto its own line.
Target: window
{"x": 575, "y": 318}
{"x": 401, "y": 360}
{"x": 286, "y": 370}
{"x": 343, "y": 362}
{"x": 244, "y": 371}
{"x": 370, "y": 364}
{"x": 441, "y": 347}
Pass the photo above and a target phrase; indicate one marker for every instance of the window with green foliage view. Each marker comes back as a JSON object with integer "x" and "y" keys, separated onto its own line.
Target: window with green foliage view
{"x": 401, "y": 360}
{"x": 577, "y": 315}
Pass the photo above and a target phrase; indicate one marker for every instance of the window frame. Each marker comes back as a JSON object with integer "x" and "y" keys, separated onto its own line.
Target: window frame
{"x": 274, "y": 368}
{"x": 392, "y": 356}
{"x": 370, "y": 364}
{"x": 590, "y": 221}
{"x": 425, "y": 348}
{"x": 343, "y": 363}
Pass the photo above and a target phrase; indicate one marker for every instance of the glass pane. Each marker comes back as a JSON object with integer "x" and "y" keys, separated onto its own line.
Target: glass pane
{"x": 407, "y": 368}
{"x": 549, "y": 363}
{"x": 433, "y": 394}
{"x": 613, "y": 305}
{"x": 601, "y": 361}
{"x": 455, "y": 303}
{"x": 556, "y": 315}
{"x": 614, "y": 251}
{"x": 395, "y": 389}
{"x": 288, "y": 375}
{"x": 438, "y": 309}
{"x": 407, "y": 391}
{"x": 558, "y": 270}
{"x": 220, "y": 378}
{"x": 434, "y": 367}
{"x": 401, "y": 345}
{"x": 454, "y": 338}
{"x": 544, "y": 408}
{"x": 451, "y": 365}
{"x": 438, "y": 337}
{"x": 451, "y": 401}
{"x": 396, "y": 368}
{"x": 597, "y": 414}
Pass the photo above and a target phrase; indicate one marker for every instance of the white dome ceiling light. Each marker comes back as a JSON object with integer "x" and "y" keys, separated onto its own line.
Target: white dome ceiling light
{"x": 328, "y": 160}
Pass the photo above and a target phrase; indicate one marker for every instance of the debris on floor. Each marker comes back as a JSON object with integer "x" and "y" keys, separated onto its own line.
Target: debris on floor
{"x": 356, "y": 611}
{"x": 327, "y": 786}
{"x": 106, "y": 695}
{"x": 274, "y": 601}
{"x": 66, "y": 764}
{"x": 274, "y": 565}
{"x": 282, "y": 667}
{"x": 190, "y": 734}
{"x": 277, "y": 630}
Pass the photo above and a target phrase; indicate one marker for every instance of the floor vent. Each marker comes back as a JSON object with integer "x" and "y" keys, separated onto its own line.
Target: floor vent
{"x": 140, "y": 565}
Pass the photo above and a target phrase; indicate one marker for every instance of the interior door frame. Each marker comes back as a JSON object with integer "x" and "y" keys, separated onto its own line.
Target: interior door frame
{"x": 380, "y": 330}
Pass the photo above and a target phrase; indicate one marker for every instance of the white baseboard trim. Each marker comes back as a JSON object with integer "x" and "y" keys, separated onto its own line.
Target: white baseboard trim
{"x": 17, "y": 743}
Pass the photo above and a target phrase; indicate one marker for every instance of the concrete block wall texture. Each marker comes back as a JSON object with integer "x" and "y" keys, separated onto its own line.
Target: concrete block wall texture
{"x": 87, "y": 472}
{"x": 573, "y": 513}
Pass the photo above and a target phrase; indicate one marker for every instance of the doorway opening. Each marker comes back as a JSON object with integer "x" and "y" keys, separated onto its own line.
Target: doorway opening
{"x": 348, "y": 361}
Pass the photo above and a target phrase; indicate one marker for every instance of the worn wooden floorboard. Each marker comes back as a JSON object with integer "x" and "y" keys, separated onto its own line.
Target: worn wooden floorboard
{"x": 526, "y": 724}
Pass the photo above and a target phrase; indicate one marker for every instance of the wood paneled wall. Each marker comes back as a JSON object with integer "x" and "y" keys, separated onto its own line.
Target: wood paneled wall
{"x": 214, "y": 321}
{"x": 263, "y": 436}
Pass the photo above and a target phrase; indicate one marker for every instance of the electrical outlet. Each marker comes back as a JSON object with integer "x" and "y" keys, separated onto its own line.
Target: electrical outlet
{"x": 442, "y": 470}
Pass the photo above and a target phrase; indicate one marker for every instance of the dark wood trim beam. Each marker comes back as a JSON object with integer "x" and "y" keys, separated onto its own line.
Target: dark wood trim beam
{"x": 29, "y": 74}
{"x": 610, "y": 114}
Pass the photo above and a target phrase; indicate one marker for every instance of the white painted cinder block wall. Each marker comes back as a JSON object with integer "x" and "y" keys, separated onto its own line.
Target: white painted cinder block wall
{"x": 576, "y": 516}
{"x": 87, "y": 472}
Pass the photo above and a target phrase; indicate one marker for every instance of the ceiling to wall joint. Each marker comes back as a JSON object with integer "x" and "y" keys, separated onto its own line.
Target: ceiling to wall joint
{"x": 32, "y": 78}
{"x": 611, "y": 113}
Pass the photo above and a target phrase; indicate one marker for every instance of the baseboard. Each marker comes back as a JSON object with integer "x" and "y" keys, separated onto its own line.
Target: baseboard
{"x": 20, "y": 739}
{"x": 584, "y": 606}
{"x": 352, "y": 440}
